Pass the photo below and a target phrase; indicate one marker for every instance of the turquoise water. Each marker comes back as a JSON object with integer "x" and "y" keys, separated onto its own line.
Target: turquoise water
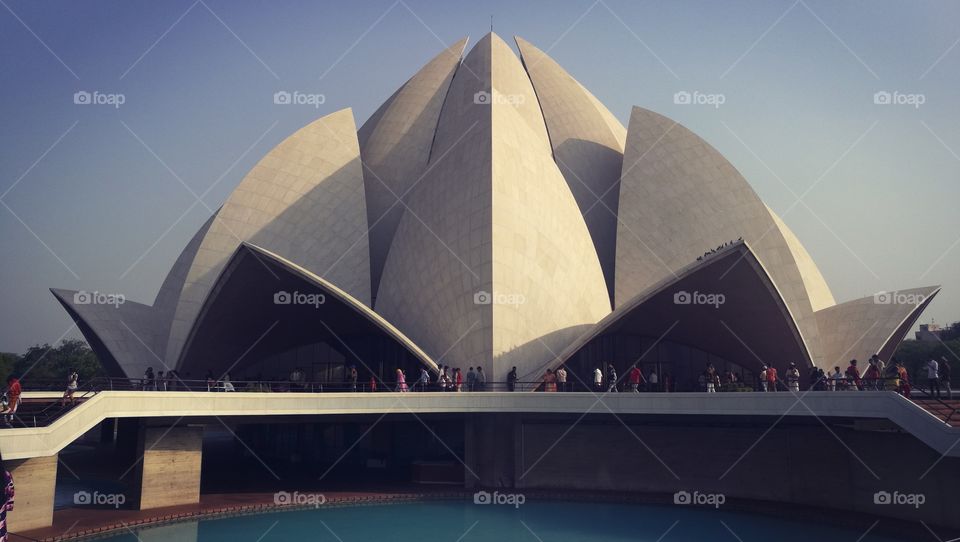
{"x": 532, "y": 522}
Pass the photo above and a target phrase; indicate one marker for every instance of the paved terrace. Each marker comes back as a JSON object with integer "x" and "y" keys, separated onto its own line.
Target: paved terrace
{"x": 23, "y": 443}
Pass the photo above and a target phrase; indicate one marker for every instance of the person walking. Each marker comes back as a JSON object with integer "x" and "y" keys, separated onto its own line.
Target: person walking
{"x": 611, "y": 378}
{"x": 771, "y": 378}
{"x": 471, "y": 379}
{"x": 933, "y": 377}
{"x": 372, "y": 385}
{"x": 634, "y": 378}
{"x": 424, "y": 379}
{"x": 353, "y": 376}
{"x": 458, "y": 379}
{"x": 903, "y": 377}
{"x": 836, "y": 380}
{"x": 597, "y": 379}
{"x": 852, "y": 375}
{"x": 793, "y": 378}
{"x": 14, "y": 391}
{"x": 945, "y": 377}
{"x": 401, "y": 381}
{"x": 72, "y": 379}
{"x": 161, "y": 381}
{"x": 512, "y": 379}
{"x": 653, "y": 381}
{"x": 763, "y": 377}
{"x": 710, "y": 378}
{"x": 561, "y": 375}
{"x": 148, "y": 377}
{"x": 227, "y": 385}
{"x": 550, "y": 381}
{"x": 481, "y": 379}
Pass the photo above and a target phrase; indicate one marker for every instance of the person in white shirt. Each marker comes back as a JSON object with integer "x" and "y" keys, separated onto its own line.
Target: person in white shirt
{"x": 836, "y": 380}
{"x": 652, "y": 380}
{"x": 933, "y": 377}
{"x": 561, "y": 375}
{"x": 598, "y": 379}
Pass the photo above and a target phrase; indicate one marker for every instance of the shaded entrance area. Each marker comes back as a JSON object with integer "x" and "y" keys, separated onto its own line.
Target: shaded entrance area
{"x": 724, "y": 310}
{"x": 266, "y": 316}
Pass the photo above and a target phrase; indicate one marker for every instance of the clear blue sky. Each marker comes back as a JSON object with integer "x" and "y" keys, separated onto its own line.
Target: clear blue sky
{"x": 879, "y": 183}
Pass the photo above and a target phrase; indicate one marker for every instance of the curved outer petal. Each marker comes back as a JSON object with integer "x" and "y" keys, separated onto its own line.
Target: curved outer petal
{"x": 871, "y": 325}
{"x": 729, "y": 329}
{"x": 492, "y": 215}
{"x": 165, "y": 304}
{"x": 304, "y": 201}
{"x": 123, "y": 336}
{"x": 679, "y": 198}
{"x": 817, "y": 289}
{"x": 242, "y": 307}
{"x": 587, "y": 143}
{"x": 395, "y": 145}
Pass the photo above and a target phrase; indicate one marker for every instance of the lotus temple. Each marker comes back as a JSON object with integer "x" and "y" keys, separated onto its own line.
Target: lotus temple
{"x": 492, "y": 213}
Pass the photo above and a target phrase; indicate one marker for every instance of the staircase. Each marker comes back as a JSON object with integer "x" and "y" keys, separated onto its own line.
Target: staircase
{"x": 41, "y": 412}
{"x": 944, "y": 410}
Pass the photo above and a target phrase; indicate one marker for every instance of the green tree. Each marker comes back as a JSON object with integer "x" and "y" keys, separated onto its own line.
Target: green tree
{"x": 46, "y": 363}
{"x": 7, "y": 362}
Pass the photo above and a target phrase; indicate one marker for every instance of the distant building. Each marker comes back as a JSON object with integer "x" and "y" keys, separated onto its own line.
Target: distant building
{"x": 929, "y": 332}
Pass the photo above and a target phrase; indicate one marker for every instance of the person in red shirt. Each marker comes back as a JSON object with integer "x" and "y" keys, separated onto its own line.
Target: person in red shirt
{"x": 771, "y": 378}
{"x": 853, "y": 375}
{"x": 904, "y": 378}
{"x": 635, "y": 377}
{"x": 13, "y": 399}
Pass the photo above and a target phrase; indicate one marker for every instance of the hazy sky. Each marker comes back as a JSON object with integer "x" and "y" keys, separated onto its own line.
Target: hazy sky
{"x": 99, "y": 197}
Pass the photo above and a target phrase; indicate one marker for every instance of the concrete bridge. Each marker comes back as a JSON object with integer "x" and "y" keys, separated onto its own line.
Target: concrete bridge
{"x": 502, "y": 430}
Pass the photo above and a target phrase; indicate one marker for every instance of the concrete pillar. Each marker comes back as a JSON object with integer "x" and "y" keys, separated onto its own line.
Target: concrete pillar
{"x": 490, "y": 450}
{"x": 35, "y": 481}
{"x": 169, "y": 473}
